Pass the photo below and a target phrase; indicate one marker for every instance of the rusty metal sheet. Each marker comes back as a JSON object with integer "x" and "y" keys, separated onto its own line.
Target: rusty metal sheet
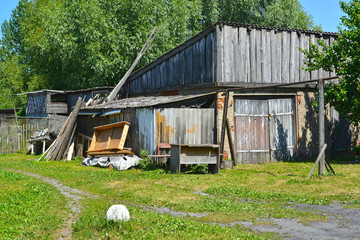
{"x": 185, "y": 125}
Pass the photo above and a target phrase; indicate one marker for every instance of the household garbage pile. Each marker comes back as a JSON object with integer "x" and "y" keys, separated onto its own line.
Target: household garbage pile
{"x": 107, "y": 148}
{"x": 120, "y": 163}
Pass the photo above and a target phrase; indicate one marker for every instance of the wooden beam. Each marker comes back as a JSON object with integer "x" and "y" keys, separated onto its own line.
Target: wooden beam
{"x": 222, "y": 141}
{"x": 116, "y": 90}
{"x": 228, "y": 130}
{"x": 65, "y": 138}
{"x": 321, "y": 126}
{"x": 317, "y": 160}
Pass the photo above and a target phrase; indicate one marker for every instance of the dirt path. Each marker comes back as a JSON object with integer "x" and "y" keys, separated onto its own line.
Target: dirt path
{"x": 342, "y": 224}
{"x": 73, "y": 196}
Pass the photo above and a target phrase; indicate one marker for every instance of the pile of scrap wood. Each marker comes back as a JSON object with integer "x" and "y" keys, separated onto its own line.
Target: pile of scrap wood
{"x": 59, "y": 148}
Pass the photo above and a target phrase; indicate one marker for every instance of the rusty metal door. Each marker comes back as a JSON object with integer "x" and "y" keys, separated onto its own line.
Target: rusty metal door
{"x": 263, "y": 130}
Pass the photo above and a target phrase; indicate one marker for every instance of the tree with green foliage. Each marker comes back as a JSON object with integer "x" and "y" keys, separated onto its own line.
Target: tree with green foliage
{"x": 343, "y": 57}
{"x": 278, "y": 13}
{"x": 12, "y": 82}
{"x": 61, "y": 44}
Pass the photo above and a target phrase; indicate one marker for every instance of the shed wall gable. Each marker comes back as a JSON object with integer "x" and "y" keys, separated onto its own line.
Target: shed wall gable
{"x": 254, "y": 56}
{"x": 192, "y": 63}
{"x": 36, "y": 104}
{"x": 230, "y": 55}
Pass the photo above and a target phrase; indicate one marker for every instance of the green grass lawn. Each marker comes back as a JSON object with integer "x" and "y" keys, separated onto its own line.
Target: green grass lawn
{"x": 29, "y": 209}
{"x": 248, "y": 192}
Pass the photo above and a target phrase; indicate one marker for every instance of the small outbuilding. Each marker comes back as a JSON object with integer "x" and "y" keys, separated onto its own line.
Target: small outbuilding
{"x": 179, "y": 98}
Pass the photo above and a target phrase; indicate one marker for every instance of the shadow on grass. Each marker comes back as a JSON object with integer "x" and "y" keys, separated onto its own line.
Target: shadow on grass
{"x": 341, "y": 158}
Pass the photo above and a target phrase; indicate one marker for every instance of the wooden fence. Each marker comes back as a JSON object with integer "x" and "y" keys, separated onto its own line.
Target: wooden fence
{"x": 14, "y": 136}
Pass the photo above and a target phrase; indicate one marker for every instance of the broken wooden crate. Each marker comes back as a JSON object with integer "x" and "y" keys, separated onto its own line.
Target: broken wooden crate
{"x": 110, "y": 139}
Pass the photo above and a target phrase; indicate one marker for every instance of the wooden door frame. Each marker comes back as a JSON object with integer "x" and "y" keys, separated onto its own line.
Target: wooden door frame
{"x": 268, "y": 96}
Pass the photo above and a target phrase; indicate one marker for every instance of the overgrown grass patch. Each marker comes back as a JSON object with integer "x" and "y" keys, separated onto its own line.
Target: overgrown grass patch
{"x": 148, "y": 225}
{"x": 29, "y": 209}
{"x": 248, "y": 192}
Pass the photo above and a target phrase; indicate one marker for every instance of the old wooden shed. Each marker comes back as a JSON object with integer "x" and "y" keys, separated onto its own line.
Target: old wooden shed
{"x": 44, "y": 102}
{"x": 268, "y": 122}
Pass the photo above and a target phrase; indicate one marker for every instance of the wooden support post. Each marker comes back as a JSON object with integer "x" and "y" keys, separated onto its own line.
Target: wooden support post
{"x": 321, "y": 153}
{"x": 222, "y": 141}
{"x": 329, "y": 166}
{"x": 228, "y": 131}
{"x": 321, "y": 126}
{"x": 43, "y": 146}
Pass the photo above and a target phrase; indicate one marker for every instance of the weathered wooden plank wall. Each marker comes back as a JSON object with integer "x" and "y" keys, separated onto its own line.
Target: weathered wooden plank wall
{"x": 231, "y": 55}
{"x": 252, "y": 131}
{"x": 13, "y": 138}
{"x": 264, "y": 130}
{"x": 282, "y": 127}
{"x": 264, "y": 56}
{"x": 191, "y": 64}
{"x": 55, "y": 107}
{"x": 36, "y": 104}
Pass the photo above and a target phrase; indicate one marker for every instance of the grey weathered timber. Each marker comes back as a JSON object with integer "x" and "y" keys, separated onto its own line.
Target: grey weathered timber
{"x": 252, "y": 131}
{"x": 67, "y": 133}
{"x": 117, "y": 88}
{"x": 281, "y": 122}
{"x": 194, "y": 154}
{"x": 13, "y": 137}
{"x": 231, "y": 142}
{"x": 264, "y": 130}
{"x": 321, "y": 153}
{"x": 321, "y": 126}
{"x": 232, "y": 54}
{"x": 222, "y": 136}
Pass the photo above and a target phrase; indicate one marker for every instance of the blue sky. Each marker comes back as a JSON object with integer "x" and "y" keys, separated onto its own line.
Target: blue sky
{"x": 327, "y": 13}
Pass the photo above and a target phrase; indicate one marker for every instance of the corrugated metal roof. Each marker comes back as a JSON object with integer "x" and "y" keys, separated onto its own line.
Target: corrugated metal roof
{"x": 137, "y": 102}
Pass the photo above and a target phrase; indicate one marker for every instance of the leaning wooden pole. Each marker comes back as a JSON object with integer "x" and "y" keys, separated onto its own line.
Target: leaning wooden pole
{"x": 321, "y": 126}
{"x": 67, "y": 133}
{"x": 115, "y": 91}
{"x": 222, "y": 141}
{"x": 231, "y": 143}
{"x": 321, "y": 153}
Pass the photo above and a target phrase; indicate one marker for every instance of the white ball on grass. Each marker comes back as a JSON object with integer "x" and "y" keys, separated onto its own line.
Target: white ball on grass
{"x": 118, "y": 213}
